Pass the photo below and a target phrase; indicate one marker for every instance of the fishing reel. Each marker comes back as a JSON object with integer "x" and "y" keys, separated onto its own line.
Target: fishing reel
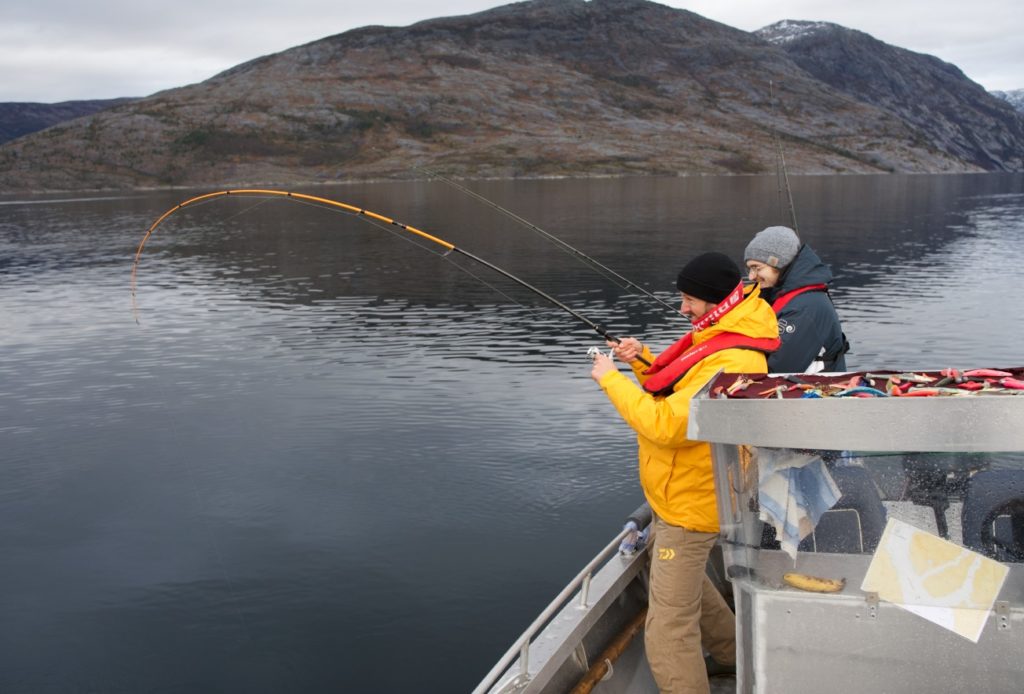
{"x": 592, "y": 353}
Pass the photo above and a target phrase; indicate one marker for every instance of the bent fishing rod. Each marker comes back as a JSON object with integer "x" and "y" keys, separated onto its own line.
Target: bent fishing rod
{"x": 360, "y": 212}
{"x": 550, "y": 237}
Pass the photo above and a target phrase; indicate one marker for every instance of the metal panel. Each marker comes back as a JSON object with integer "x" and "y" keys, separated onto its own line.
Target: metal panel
{"x": 793, "y": 642}
{"x": 956, "y": 424}
{"x": 803, "y": 641}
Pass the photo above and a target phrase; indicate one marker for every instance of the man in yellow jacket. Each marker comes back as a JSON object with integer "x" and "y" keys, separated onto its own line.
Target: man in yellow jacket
{"x": 732, "y": 330}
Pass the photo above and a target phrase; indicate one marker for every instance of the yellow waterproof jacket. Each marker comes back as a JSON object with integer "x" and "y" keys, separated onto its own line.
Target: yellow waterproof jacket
{"x": 675, "y": 473}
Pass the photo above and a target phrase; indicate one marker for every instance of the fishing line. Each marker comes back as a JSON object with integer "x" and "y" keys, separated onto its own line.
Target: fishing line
{"x": 367, "y": 215}
{"x": 576, "y": 253}
{"x": 247, "y": 210}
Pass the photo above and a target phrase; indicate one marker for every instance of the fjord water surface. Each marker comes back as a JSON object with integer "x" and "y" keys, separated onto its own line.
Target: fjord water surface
{"x": 321, "y": 456}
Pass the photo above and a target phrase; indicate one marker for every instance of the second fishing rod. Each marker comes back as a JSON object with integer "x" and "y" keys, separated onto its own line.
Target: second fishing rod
{"x": 607, "y": 272}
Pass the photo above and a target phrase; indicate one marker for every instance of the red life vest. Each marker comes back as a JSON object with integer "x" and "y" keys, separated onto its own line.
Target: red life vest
{"x": 784, "y": 299}
{"x": 672, "y": 364}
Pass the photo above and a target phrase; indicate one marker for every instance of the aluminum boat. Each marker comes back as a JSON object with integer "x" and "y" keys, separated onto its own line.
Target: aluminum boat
{"x": 912, "y": 615}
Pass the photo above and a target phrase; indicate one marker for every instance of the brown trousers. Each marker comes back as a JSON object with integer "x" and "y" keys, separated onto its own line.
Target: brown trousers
{"x": 686, "y": 613}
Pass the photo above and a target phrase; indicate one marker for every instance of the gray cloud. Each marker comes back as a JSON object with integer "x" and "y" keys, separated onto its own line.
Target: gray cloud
{"x": 57, "y": 50}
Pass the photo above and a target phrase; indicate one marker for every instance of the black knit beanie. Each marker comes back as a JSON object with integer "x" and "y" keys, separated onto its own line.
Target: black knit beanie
{"x": 709, "y": 277}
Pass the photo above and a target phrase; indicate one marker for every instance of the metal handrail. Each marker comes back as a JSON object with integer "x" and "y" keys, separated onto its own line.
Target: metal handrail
{"x": 521, "y": 646}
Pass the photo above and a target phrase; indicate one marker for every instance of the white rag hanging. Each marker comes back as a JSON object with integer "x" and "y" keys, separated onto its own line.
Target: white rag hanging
{"x": 794, "y": 491}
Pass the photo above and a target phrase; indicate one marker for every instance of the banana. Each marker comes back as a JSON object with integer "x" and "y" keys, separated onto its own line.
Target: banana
{"x": 814, "y": 584}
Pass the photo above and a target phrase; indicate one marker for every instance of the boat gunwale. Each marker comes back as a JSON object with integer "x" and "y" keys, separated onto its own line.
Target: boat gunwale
{"x": 608, "y": 579}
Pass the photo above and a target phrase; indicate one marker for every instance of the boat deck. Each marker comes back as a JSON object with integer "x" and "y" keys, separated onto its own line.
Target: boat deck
{"x": 631, "y": 675}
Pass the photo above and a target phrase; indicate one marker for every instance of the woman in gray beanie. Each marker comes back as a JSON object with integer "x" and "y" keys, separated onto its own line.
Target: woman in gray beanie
{"x": 795, "y": 282}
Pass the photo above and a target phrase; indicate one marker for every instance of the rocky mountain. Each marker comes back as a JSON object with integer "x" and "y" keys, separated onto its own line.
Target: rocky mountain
{"x": 538, "y": 88}
{"x": 934, "y": 98}
{"x": 1015, "y": 97}
{"x": 22, "y": 118}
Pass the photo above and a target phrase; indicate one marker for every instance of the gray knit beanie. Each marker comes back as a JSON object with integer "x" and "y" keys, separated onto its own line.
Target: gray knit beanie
{"x": 774, "y": 246}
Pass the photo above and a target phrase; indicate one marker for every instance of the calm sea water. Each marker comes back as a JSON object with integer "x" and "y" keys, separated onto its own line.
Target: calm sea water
{"x": 319, "y": 457}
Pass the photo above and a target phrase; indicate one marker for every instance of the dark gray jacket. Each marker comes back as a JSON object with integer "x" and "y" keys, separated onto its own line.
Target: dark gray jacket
{"x": 809, "y": 321}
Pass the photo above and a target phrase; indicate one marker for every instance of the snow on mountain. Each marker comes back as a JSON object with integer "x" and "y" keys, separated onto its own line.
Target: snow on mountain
{"x": 1015, "y": 97}
{"x": 789, "y": 30}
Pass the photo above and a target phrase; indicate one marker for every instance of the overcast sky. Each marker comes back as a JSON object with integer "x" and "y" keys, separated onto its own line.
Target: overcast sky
{"x": 60, "y": 50}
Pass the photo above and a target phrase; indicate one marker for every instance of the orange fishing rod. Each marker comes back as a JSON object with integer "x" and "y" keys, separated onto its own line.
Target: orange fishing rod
{"x": 358, "y": 211}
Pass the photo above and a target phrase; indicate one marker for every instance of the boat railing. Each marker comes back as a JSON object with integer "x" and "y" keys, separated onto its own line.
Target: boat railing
{"x": 581, "y": 582}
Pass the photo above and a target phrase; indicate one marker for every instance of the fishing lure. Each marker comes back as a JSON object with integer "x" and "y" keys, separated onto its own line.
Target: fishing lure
{"x": 988, "y": 373}
{"x": 861, "y": 391}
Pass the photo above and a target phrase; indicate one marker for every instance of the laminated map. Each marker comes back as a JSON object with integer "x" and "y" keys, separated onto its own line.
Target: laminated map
{"x": 935, "y": 579}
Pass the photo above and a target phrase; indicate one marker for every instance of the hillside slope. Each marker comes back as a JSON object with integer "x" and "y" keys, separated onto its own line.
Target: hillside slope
{"x": 933, "y": 97}
{"x": 539, "y": 88}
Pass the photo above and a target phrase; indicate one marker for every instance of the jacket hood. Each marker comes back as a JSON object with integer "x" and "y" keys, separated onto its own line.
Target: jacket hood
{"x": 807, "y": 268}
{"x": 752, "y": 317}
